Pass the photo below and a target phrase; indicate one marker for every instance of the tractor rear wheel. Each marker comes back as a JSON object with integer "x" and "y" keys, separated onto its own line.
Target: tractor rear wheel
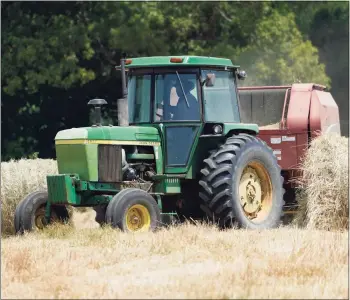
{"x": 133, "y": 210}
{"x": 242, "y": 184}
{"x": 30, "y": 213}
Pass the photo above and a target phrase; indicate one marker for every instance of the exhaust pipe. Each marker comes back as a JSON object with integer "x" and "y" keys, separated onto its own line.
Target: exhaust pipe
{"x": 122, "y": 103}
{"x": 97, "y": 103}
{"x": 123, "y": 116}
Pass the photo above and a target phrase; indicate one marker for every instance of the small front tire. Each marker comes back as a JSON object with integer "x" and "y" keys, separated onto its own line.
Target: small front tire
{"x": 133, "y": 210}
{"x": 30, "y": 213}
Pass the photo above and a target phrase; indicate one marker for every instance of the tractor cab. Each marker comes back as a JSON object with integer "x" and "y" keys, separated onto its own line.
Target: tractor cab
{"x": 182, "y": 89}
{"x": 179, "y": 95}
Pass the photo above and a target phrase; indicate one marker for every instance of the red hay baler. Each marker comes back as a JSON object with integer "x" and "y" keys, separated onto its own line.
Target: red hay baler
{"x": 289, "y": 117}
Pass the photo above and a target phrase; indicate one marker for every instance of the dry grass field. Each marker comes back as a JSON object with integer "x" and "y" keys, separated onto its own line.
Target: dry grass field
{"x": 181, "y": 262}
{"x": 308, "y": 260}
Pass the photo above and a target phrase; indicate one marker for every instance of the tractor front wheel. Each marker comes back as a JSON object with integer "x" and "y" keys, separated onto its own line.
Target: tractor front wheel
{"x": 133, "y": 210}
{"x": 30, "y": 213}
{"x": 242, "y": 184}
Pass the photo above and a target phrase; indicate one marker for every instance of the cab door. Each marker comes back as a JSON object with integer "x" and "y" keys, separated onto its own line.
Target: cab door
{"x": 179, "y": 146}
{"x": 178, "y": 112}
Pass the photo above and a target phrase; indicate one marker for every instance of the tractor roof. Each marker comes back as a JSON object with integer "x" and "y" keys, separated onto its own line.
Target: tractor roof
{"x": 169, "y": 61}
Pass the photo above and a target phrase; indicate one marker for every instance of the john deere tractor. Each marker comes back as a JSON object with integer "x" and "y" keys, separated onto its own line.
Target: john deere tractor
{"x": 179, "y": 151}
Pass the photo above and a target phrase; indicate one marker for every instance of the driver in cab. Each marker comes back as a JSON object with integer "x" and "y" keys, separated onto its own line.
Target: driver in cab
{"x": 187, "y": 108}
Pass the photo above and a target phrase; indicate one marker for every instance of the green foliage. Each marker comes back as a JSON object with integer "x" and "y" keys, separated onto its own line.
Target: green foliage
{"x": 56, "y": 56}
{"x": 62, "y": 49}
{"x": 34, "y": 155}
{"x": 42, "y": 49}
{"x": 278, "y": 54}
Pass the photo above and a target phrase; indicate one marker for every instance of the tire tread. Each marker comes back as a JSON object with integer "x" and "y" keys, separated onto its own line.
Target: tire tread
{"x": 215, "y": 183}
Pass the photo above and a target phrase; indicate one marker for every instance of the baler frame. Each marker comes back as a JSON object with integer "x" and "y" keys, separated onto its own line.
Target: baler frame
{"x": 308, "y": 111}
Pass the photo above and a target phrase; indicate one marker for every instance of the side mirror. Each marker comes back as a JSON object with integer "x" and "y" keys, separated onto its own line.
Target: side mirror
{"x": 241, "y": 75}
{"x": 210, "y": 79}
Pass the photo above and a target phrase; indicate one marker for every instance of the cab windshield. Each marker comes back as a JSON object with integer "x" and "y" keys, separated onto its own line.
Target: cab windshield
{"x": 176, "y": 97}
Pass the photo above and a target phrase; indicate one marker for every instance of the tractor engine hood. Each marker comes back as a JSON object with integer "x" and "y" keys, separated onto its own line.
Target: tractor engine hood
{"x": 128, "y": 135}
{"x": 78, "y": 150}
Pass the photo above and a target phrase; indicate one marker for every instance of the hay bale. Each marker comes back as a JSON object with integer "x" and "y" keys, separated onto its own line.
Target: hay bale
{"x": 19, "y": 178}
{"x": 323, "y": 192}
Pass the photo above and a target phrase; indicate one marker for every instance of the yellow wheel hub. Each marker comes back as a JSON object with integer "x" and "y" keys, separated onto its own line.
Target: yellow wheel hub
{"x": 40, "y": 220}
{"x": 255, "y": 192}
{"x": 138, "y": 218}
{"x": 250, "y": 191}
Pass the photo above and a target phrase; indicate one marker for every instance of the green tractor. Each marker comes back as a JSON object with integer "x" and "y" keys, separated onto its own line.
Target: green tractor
{"x": 179, "y": 152}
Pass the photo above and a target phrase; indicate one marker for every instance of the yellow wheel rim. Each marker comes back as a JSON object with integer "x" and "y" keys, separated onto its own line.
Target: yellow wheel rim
{"x": 40, "y": 220}
{"x": 255, "y": 192}
{"x": 138, "y": 218}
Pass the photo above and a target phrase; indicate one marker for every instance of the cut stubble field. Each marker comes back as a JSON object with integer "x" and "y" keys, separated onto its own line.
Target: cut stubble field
{"x": 179, "y": 262}
{"x": 305, "y": 260}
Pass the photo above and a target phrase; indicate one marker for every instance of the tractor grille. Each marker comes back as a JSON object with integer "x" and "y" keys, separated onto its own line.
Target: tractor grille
{"x": 109, "y": 163}
{"x": 57, "y": 188}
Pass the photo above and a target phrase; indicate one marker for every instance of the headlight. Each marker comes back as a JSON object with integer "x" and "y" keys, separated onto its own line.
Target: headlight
{"x": 217, "y": 129}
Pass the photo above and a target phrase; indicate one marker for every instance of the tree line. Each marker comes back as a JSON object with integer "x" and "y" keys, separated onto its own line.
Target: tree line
{"x": 56, "y": 56}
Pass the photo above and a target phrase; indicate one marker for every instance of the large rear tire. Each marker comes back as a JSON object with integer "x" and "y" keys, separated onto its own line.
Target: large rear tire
{"x": 30, "y": 213}
{"x": 133, "y": 210}
{"x": 242, "y": 184}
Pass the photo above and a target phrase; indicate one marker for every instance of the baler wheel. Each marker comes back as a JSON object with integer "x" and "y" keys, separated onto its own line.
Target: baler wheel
{"x": 30, "y": 213}
{"x": 133, "y": 210}
{"x": 242, "y": 185}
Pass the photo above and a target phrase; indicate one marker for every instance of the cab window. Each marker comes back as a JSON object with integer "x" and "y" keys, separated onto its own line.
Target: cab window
{"x": 176, "y": 97}
{"x": 139, "y": 98}
{"x": 220, "y": 101}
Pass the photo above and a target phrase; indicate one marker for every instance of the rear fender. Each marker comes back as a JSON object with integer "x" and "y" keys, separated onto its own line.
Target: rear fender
{"x": 230, "y": 129}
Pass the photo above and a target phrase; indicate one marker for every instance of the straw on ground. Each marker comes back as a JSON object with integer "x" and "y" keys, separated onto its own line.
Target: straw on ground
{"x": 180, "y": 262}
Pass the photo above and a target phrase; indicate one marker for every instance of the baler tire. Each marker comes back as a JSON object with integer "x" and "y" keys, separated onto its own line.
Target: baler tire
{"x": 129, "y": 200}
{"x": 30, "y": 205}
{"x": 221, "y": 177}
